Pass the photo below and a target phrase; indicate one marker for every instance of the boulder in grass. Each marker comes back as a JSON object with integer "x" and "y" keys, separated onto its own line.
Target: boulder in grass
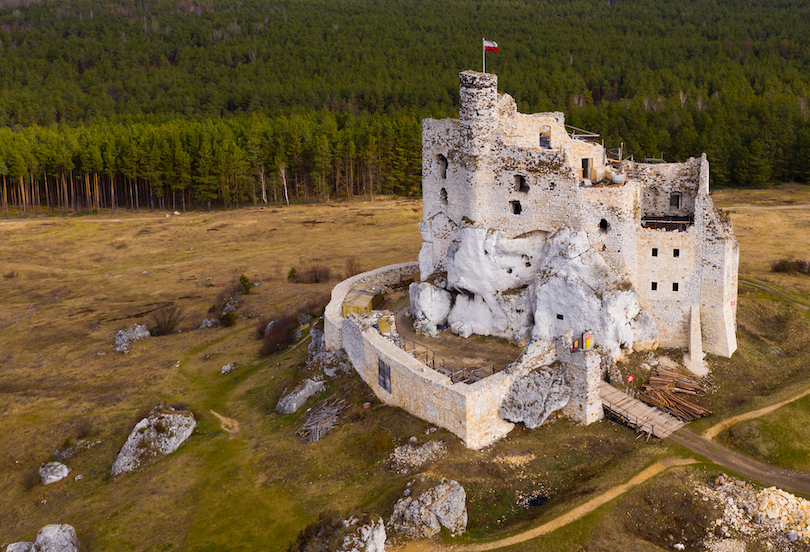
{"x": 296, "y": 398}
{"x": 159, "y": 434}
{"x": 21, "y": 547}
{"x": 52, "y": 472}
{"x": 422, "y": 517}
{"x": 57, "y": 538}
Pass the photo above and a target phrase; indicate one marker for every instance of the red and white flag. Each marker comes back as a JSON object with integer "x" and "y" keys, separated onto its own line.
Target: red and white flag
{"x": 490, "y": 46}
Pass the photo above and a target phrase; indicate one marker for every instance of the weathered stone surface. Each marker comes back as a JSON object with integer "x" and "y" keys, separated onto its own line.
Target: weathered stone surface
{"x": 365, "y": 537}
{"x": 125, "y": 338}
{"x": 410, "y": 457}
{"x": 53, "y": 472}
{"x": 57, "y": 538}
{"x": 429, "y": 304}
{"x": 21, "y": 547}
{"x": 317, "y": 343}
{"x": 159, "y": 434}
{"x": 535, "y": 396}
{"x": 444, "y": 505}
{"x": 228, "y": 368}
{"x": 296, "y": 398}
{"x": 209, "y": 323}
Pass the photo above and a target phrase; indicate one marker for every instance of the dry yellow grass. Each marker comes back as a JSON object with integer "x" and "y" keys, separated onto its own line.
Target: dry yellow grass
{"x": 68, "y": 284}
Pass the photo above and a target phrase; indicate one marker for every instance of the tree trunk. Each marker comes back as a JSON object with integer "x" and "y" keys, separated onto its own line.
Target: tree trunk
{"x": 5, "y": 197}
{"x": 283, "y": 172}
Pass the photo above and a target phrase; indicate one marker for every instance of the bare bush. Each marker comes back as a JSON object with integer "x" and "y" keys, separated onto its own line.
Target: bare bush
{"x": 316, "y": 305}
{"x": 166, "y": 319}
{"x": 315, "y": 274}
{"x": 280, "y": 334}
{"x": 352, "y": 266}
{"x": 791, "y": 266}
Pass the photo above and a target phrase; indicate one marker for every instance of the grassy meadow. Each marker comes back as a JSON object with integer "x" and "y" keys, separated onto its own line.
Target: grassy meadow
{"x": 244, "y": 481}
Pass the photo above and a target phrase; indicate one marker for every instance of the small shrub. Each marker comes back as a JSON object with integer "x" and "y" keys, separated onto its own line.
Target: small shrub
{"x": 228, "y": 319}
{"x": 352, "y": 266}
{"x": 316, "y": 305}
{"x": 9, "y": 275}
{"x": 261, "y": 324}
{"x": 245, "y": 284}
{"x": 213, "y": 308}
{"x": 791, "y": 266}
{"x": 280, "y": 334}
{"x": 316, "y": 274}
{"x": 85, "y": 429}
{"x": 292, "y": 275}
{"x": 166, "y": 319}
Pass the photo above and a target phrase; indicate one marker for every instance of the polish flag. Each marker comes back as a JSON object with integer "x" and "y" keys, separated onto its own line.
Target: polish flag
{"x": 490, "y": 46}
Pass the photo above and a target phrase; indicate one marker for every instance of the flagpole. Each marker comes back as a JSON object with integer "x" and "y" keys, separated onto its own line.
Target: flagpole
{"x": 484, "y": 53}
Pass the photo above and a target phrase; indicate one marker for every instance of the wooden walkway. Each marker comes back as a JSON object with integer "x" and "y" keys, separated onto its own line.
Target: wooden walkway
{"x": 636, "y": 414}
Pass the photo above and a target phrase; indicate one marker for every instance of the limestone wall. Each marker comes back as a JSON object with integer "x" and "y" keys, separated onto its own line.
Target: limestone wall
{"x": 333, "y": 314}
{"x": 660, "y": 181}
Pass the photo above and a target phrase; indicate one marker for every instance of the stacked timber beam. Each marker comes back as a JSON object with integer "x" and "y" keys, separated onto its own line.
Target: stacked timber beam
{"x": 321, "y": 420}
{"x": 666, "y": 391}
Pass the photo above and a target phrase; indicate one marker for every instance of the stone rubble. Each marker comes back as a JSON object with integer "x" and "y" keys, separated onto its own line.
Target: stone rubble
{"x": 408, "y": 458}
{"x": 125, "y": 338}
{"x": 769, "y": 513}
{"x": 228, "y": 368}
{"x": 209, "y": 323}
{"x": 159, "y": 434}
{"x": 52, "y": 472}
{"x": 422, "y": 517}
{"x": 65, "y": 452}
{"x": 369, "y": 537}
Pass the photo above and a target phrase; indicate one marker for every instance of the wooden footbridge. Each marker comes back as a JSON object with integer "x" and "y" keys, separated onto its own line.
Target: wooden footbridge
{"x": 636, "y": 414}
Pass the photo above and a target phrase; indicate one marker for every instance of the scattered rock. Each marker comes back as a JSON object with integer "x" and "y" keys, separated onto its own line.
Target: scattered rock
{"x": 209, "y": 323}
{"x": 52, "y": 472}
{"x": 408, "y": 458}
{"x": 159, "y": 434}
{"x": 125, "y": 338}
{"x": 304, "y": 318}
{"x": 317, "y": 345}
{"x": 230, "y": 306}
{"x": 296, "y": 398}
{"x": 21, "y": 547}
{"x": 228, "y": 368}
{"x": 535, "y": 396}
{"x": 444, "y": 505}
{"x": 365, "y": 537}
{"x": 65, "y": 452}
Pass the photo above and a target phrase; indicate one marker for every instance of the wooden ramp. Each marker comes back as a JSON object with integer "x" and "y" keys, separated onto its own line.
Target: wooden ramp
{"x": 636, "y": 414}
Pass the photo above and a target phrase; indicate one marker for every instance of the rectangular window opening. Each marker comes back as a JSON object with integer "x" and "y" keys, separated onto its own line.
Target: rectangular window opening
{"x": 675, "y": 286}
{"x": 675, "y": 201}
{"x": 560, "y": 317}
{"x": 654, "y": 286}
{"x": 676, "y": 253}
{"x": 654, "y": 251}
{"x": 385, "y": 375}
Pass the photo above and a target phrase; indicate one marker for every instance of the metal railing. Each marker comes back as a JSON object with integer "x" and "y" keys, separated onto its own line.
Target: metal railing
{"x": 428, "y": 357}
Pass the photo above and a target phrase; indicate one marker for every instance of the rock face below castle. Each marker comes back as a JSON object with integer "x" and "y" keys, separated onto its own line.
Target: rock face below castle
{"x": 533, "y": 231}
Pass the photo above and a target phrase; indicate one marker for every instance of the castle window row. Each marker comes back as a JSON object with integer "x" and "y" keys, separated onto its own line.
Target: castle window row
{"x": 654, "y": 286}
{"x": 675, "y": 252}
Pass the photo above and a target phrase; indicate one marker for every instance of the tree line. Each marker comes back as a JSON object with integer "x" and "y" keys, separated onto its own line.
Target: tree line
{"x": 180, "y": 164}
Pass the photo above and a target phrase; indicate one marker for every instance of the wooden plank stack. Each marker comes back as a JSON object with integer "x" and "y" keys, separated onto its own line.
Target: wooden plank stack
{"x": 321, "y": 420}
{"x": 666, "y": 389}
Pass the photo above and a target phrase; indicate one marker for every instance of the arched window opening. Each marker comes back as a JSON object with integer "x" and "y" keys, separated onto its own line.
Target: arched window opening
{"x": 603, "y": 226}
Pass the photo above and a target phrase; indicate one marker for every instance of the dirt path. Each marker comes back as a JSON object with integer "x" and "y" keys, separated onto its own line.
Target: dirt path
{"x": 774, "y": 292}
{"x": 768, "y": 207}
{"x": 789, "y": 480}
{"x": 228, "y": 424}
{"x": 716, "y": 429}
{"x": 577, "y": 513}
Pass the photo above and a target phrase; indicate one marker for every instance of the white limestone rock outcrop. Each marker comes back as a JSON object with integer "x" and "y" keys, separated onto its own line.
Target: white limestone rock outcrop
{"x": 422, "y": 517}
{"x": 125, "y": 338}
{"x": 52, "y": 472}
{"x": 57, "y": 538}
{"x": 296, "y": 398}
{"x": 159, "y": 434}
{"x": 535, "y": 396}
{"x": 363, "y": 537}
{"x": 429, "y": 304}
{"x": 576, "y": 289}
{"x": 51, "y": 538}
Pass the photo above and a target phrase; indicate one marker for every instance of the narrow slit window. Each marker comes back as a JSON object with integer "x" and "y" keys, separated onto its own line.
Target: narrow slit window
{"x": 520, "y": 183}
{"x": 516, "y": 207}
{"x": 443, "y": 196}
{"x": 385, "y": 375}
{"x": 675, "y": 286}
{"x": 442, "y": 165}
{"x": 676, "y": 253}
{"x": 654, "y": 251}
{"x": 654, "y": 286}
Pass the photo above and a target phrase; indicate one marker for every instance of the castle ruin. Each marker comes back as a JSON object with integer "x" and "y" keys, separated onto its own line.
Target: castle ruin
{"x": 531, "y": 233}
